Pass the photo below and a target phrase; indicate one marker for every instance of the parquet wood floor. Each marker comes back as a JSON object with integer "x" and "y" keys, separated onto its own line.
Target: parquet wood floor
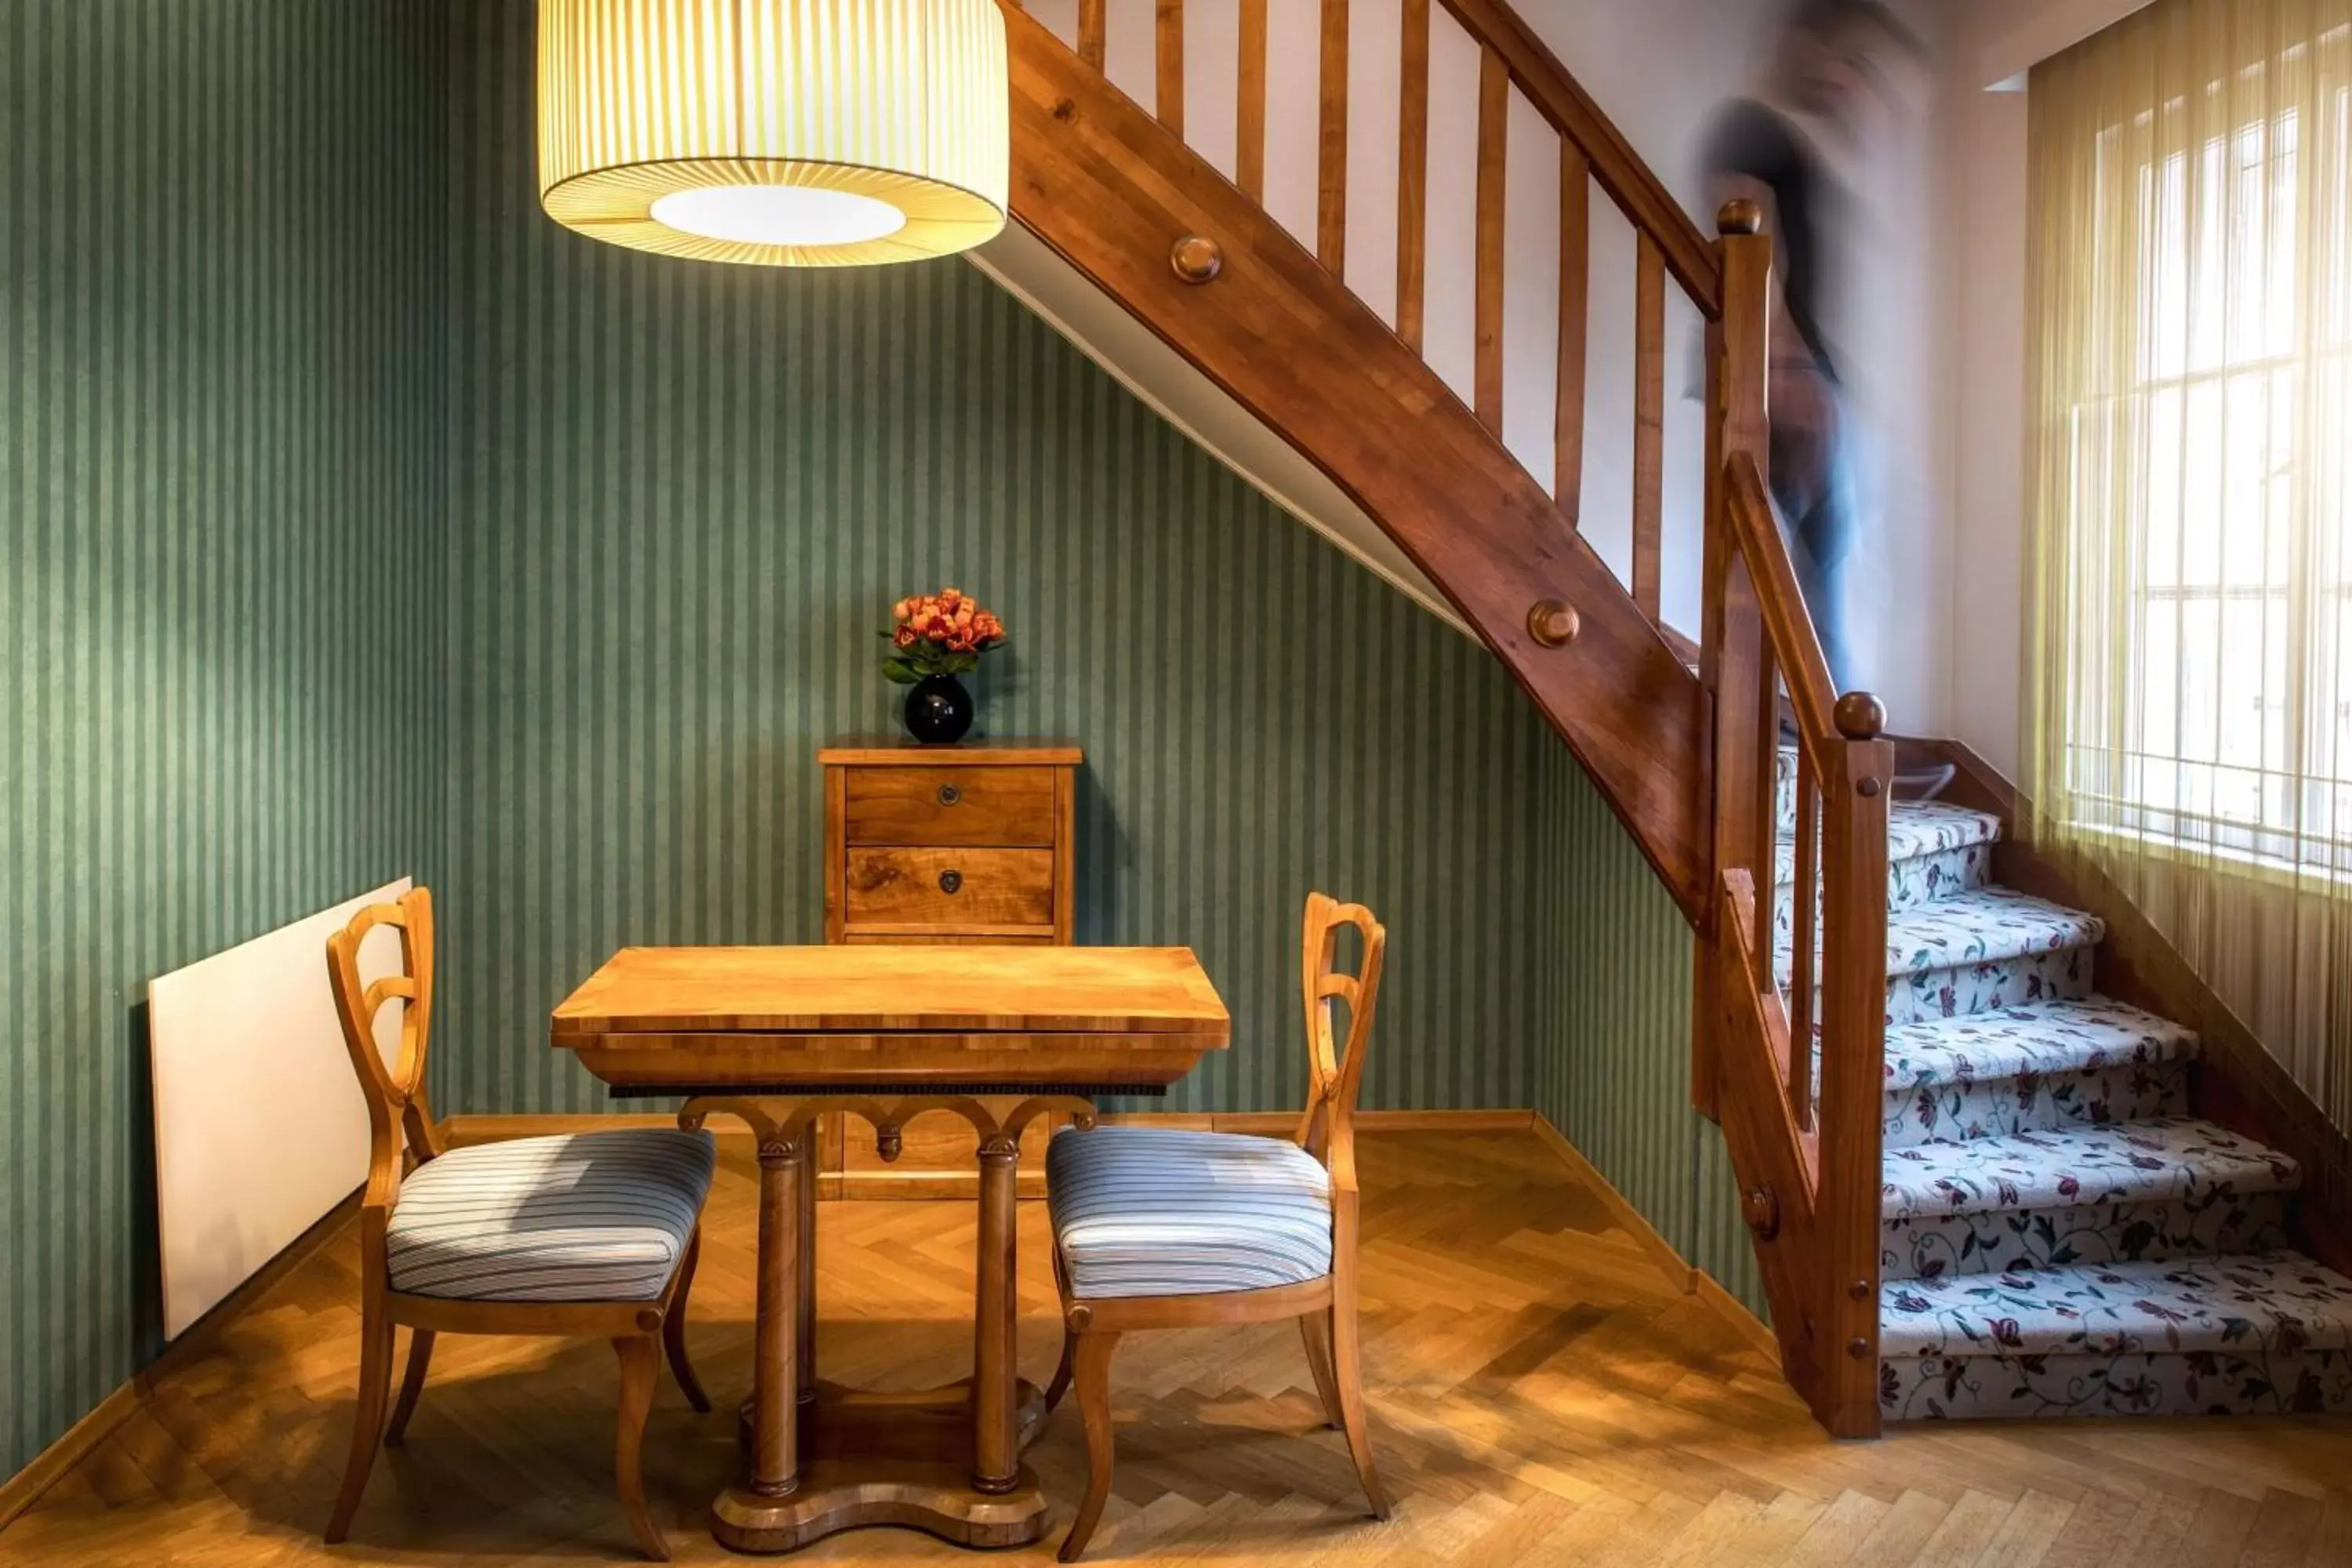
{"x": 1541, "y": 1394}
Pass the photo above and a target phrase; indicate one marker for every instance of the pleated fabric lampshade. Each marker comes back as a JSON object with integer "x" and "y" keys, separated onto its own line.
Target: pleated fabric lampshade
{"x": 777, "y": 132}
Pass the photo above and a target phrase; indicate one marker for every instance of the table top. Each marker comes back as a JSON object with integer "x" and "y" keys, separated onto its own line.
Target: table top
{"x": 899, "y": 751}
{"x": 968, "y": 990}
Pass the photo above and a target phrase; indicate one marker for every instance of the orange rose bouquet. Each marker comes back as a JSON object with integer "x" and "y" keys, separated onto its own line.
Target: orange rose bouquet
{"x": 939, "y": 634}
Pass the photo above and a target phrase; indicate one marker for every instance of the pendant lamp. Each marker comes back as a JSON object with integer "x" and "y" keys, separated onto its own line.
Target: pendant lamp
{"x": 776, "y": 133}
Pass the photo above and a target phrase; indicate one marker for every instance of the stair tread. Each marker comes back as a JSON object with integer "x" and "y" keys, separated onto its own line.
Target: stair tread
{"x": 2040, "y": 1037}
{"x": 2130, "y": 1162}
{"x": 1982, "y": 925}
{"x": 1916, "y": 827}
{"x": 2281, "y": 1303}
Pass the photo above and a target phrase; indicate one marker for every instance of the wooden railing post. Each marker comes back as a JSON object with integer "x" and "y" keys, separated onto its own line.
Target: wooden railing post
{"x": 1168, "y": 64}
{"x": 1249, "y": 102}
{"x": 1413, "y": 169}
{"x": 1331, "y": 142}
{"x": 1853, "y": 1053}
{"x": 1737, "y": 344}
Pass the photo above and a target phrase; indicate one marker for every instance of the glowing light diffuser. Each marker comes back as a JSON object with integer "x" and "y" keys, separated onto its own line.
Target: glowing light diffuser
{"x": 782, "y": 132}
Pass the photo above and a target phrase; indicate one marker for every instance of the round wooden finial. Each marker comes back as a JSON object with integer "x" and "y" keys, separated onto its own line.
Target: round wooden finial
{"x": 1860, "y": 716}
{"x": 1196, "y": 258}
{"x": 1739, "y": 216}
{"x": 1553, "y": 624}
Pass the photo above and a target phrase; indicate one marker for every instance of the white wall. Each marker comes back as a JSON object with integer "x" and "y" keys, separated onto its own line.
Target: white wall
{"x": 1987, "y": 201}
{"x": 1659, "y": 69}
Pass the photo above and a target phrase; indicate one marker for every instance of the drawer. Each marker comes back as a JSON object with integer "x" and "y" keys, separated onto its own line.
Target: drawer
{"x": 952, "y": 888}
{"x": 951, "y": 806}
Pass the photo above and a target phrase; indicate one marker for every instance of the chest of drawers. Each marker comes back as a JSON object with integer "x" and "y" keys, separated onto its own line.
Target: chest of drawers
{"x": 953, "y": 844}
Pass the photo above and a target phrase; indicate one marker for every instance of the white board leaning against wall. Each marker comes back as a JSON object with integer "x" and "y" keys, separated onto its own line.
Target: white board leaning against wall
{"x": 260, "y": 1125}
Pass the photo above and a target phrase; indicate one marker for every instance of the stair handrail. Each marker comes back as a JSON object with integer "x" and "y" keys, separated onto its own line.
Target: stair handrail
{"x": 1592, "y": 153}
{"x": 1790, "y": 1063}
{"x": 1636, "y": 189}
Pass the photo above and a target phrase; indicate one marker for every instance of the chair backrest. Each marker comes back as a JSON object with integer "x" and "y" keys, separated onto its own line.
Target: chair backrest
{"x": 395, "y": 1095}
{"x": 1335, "y": 1068}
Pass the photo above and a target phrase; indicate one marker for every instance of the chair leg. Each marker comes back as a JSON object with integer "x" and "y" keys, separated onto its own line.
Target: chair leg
{"x": 1314, "y": 1328}
{"x": 1092, "y": 1376}
{"x": 412, "y": 1383}
{"x": 673, "y": 1329}
{"x": 1060, "y": 1384}
{"x": 1347, "y": 1366}
{"x": 640, "y": 1370}
{"x": 367, "y": 1416}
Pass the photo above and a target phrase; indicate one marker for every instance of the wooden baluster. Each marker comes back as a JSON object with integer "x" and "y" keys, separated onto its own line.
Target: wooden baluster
{"x": 1575, "y": 307}
{"x": 1168, "y": 57}
{"x": 1649, "y": 425}
{"x": 1740, "y": 649}
{"x": 1766, "y": 805}
{"x": 1090, "y": 32}
{"x": 1413, "y": 173}
{"x": 1737, "y": 344}
{"x": 1804, "y": 888}
{"x": 1493, "y": 118}
{"x": 1249, "y": 99}
{"x": 1331, "y": 159}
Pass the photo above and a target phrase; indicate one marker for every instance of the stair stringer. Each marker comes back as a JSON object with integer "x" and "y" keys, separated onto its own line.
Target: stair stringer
{"x": 1111, "y": 190}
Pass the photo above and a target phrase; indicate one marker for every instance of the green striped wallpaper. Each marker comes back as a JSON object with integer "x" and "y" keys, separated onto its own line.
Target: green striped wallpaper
{"x": 220, "y": 469}
{"x": 358, "y": 521}
{"x": 1613, "y": 1072}
{"x": 685, "y": 497}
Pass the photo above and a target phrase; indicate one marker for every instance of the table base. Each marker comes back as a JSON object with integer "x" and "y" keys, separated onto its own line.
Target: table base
{"x": 901, "y": 1459}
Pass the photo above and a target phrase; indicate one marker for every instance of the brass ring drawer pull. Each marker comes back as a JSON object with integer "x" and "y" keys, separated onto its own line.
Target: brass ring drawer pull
{"x": 950, "y": 795}
{"x": 951, "y": 882}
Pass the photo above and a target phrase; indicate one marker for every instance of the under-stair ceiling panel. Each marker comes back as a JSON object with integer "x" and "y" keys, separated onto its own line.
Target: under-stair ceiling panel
{"x": 1102, "y": 330}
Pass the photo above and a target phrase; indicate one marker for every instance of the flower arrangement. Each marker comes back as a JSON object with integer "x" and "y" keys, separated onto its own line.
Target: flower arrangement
{"x": 939, "y": 634}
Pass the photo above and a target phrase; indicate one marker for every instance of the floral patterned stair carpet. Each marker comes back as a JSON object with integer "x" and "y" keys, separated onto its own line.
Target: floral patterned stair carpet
{"x": 2059, "y": 1235}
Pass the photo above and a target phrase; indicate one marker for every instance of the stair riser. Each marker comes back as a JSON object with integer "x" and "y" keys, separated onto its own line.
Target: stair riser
{"x": 1919, "y": 881}
{"x": 1928, "y": 1388}
{"x": 2036, "y": 1102}
{"x": 2003, "y": 1241}
{"x": 1961, "y": 989}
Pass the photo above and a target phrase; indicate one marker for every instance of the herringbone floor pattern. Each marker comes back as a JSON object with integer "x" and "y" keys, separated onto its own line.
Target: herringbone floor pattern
{"x": 1540, "y": 1395}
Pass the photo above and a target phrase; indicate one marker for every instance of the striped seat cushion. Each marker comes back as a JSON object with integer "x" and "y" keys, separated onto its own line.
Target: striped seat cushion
{"x": 1152, "y": 1211}
{"x": 590, "y": 1217}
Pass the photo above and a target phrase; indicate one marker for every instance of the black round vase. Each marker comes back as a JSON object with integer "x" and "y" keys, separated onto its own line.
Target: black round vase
{"x": 938, "y": 710}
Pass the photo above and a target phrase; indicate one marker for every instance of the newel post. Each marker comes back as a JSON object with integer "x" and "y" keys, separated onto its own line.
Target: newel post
{"x": 1737, "y": 346}
{"x": 1852, "y": 1060}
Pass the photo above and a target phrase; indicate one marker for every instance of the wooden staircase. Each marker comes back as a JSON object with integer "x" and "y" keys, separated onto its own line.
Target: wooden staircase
{"x": 1684, "y": 740}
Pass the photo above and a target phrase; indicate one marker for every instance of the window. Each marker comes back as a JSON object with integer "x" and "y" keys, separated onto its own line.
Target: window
{"x": 2209, "y": 691}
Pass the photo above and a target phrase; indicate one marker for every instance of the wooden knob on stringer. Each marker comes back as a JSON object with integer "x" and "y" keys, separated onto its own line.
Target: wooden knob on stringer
{"x": 1196, "y": 258}
{"x": 1552, "y": 623}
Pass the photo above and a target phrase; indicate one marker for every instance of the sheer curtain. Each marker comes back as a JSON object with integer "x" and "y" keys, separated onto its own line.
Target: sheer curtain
{"x": 2188, "y": 722}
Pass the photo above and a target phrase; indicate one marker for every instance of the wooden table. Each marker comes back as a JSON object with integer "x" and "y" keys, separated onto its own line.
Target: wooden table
{"x": 777, "y": 1036}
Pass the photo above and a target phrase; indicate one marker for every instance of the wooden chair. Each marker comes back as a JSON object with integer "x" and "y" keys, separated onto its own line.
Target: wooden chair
{"x": 595, "y": 1234}
{"x": 1156, "y": 1229}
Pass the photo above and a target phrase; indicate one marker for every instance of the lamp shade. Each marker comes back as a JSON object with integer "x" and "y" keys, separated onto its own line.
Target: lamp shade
{"x": 777, "y": 132}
